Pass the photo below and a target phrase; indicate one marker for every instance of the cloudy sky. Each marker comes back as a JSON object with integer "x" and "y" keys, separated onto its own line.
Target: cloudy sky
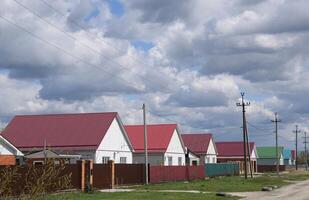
{"x": 187, "y": 60}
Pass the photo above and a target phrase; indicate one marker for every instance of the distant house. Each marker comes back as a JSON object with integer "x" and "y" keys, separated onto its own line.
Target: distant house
{"x": 267, "y": 156}
{"x": 192, "y": 158}
{"x": 9, "y": 154}
{"x": 203, "y": 145}
{"x": 234, "y": 152}
{"x": 287, "y": 156}
{"x": 293, "y": 160}
{"x": 96, "y": 136}
{"x": 165, "y": 146}
{"x": 39, "y": 157}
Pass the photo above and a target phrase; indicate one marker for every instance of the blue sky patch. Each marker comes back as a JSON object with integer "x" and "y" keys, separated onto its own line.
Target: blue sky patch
{"x": 139, "y": 44}
{"x": 116, "y": 7}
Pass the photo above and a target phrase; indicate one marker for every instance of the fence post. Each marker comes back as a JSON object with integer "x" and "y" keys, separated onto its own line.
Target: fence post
{"x": 82, "y": 183}
{"x": 91, "y": 174}
{"x": 111, "y": 165}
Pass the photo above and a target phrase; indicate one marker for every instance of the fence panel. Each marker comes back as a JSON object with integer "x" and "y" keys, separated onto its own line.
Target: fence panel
{"x": 27, "y": 175}
{"x": 160, "y": 174}
{"x": 126, "y": 174}
{"x": 102, "y": 176}
{"x": 270, "y": 168}
{"x": 75, "y": 171}
{"x": 221, "y": 169}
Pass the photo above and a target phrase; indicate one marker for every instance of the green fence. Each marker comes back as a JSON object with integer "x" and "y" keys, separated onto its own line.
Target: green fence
{"x": 221, "y": 169}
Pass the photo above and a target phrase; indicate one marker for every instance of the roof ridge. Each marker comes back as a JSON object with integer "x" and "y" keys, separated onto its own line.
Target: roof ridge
{"x": 151, "y": 124}
{"x": 53, "y": 114}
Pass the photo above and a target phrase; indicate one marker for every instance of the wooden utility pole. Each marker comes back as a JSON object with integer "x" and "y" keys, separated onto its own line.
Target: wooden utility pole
{"x": 296, "y": 157}
{"x": 276, "y": 120}
{"x": 306, "y": 154}
{"x": 243, "y": 105}
{"x": 145, "y": 144}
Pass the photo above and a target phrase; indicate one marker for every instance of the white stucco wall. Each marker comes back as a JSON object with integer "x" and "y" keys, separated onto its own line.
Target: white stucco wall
{"x": 211, "y": 156}
{"x": 175, "y": 150}
{"x": 114, "y": 145}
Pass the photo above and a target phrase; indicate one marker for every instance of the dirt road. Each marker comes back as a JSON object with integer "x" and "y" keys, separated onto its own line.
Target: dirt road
{"x": 297, "y": 191}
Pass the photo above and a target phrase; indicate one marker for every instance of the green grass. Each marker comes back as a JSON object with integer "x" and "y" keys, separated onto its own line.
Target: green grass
{"x": 134, "y": 196}
{"x": 230, "y": 184}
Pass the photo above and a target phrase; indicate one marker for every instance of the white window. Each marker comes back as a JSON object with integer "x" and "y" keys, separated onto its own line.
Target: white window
{"x": 213, "y": 160}
{"x": 105, "y": 159}
{"x": 179, "y": 160}
{"x": 123, "y": 160}
{"x": 170, "y": 160}
{"x": 207, "y": 160}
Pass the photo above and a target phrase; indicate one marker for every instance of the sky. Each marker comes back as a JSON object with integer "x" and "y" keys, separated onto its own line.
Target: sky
{"x": 187, "y": 60}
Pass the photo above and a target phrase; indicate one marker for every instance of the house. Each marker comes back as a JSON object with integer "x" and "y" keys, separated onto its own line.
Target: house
{"x": 234, "y": 152}
{"x": 293, "y": 159}
{"x": 9, "y": 154}
{"x": 38, "y": 158}
{"x": 287, "y": 156}
{"x": 96, "y": 136}
{"x": 203, "y": 145}
{"x": 165, "y": 146}
{"x": 267, "y": 156}
{"x": 192, "y": 159}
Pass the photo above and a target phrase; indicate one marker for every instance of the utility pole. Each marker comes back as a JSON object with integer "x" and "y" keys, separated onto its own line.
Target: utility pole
{"x": 276, "y": 120}
{"x": 145, "y": 144}
{"x": 243, "y": 105}
{"x": 306, "y": 154}
{"x": 296, "y": 133}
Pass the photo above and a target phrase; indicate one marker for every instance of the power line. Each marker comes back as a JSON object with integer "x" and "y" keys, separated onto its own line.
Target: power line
{"x": 258, "y": 128}
{"x": 71, "y": 37}
{"x": 76, "y": 23}
{"x": 61, "y": 49}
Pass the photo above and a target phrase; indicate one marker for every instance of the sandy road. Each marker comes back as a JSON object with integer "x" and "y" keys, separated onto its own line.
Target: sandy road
{"x": 297, "y": 191}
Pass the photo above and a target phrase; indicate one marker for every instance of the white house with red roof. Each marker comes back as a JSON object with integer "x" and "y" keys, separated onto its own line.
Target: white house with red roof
{"x": 165, "y": 146}
{"x": 234, "y": 152}
{"x": 203, "y": 145}
{"x": 8, "y": 152}
{"x": 96, "y": 136}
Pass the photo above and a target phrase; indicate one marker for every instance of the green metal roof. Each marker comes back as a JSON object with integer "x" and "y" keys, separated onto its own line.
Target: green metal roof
{"x": 268, "y": 152}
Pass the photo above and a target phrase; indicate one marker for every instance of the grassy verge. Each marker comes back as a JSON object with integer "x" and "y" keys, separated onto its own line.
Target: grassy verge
{"x": 230, "y": 184}
{"x": 134, "y": 196}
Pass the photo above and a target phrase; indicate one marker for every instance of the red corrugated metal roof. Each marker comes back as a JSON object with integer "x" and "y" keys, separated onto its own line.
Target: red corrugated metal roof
{"x": 198, "y": 142}
{"x": 70, "y": 131}
{"x": 158, "y": 136}
{"x": 232, "y": 149}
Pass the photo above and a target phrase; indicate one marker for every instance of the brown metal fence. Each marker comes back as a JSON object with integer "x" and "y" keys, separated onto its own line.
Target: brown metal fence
{"x": 102, "y": 176}
{"x": 270, "y": 168}
{"x": 24, "y": 176}
{"x": 128, "y": 174}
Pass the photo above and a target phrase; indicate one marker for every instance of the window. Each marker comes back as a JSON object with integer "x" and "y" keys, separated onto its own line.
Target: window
{"x": 38, "y": 163}
{"x": 179, "y": 160}
{"x": 105, "y": 160}
{"x": 123, "y": 160}
{"x": 170, "y": 160}
{"x": 213, "y": 160}
{"x": 207, "y": 160}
